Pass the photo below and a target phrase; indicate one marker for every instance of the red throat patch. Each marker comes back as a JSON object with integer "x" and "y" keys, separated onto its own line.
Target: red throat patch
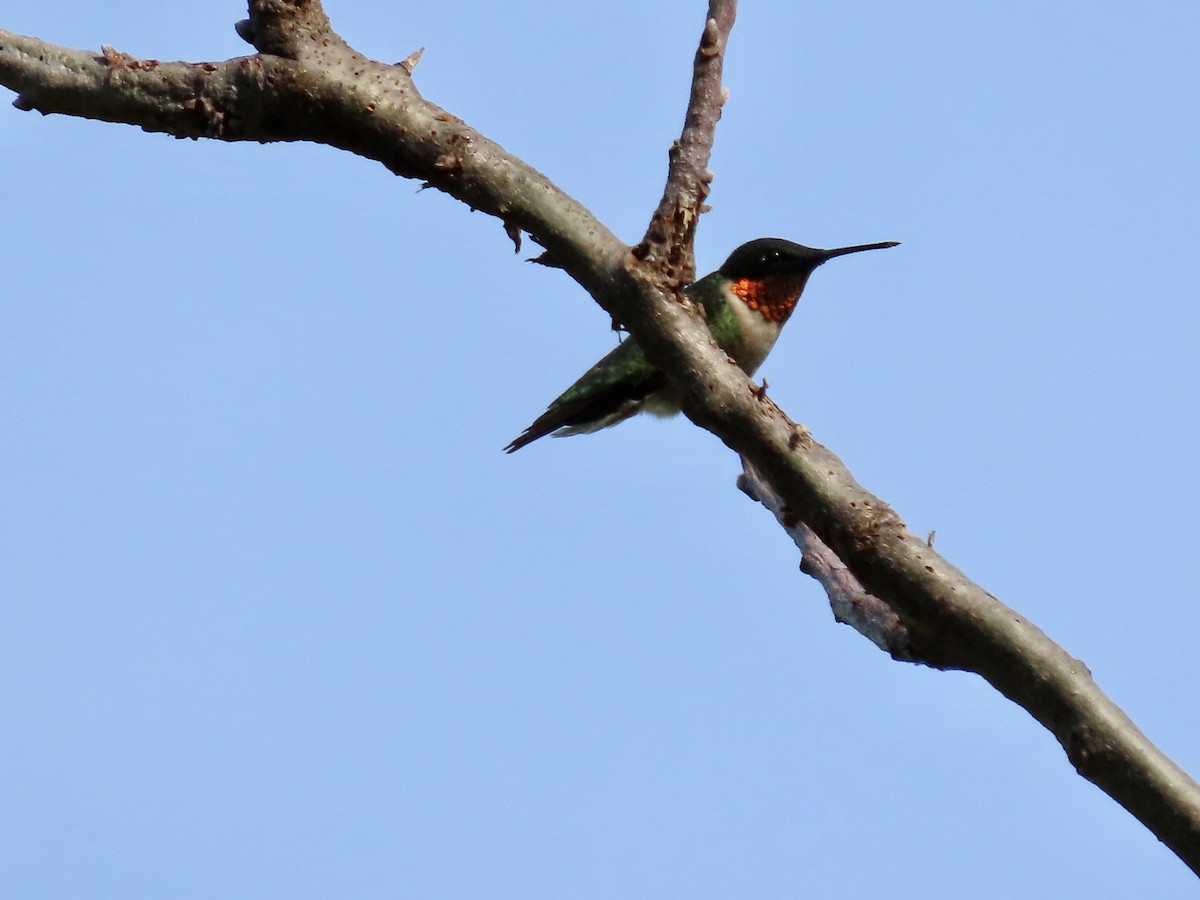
{"x": 773, "y": 298}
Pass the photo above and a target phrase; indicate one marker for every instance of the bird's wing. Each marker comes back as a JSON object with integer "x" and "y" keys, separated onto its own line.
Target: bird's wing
{"x": 610, "y": 391}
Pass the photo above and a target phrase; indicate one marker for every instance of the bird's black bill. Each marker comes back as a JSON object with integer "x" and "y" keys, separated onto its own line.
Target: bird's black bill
{"x": 858, "y": 248}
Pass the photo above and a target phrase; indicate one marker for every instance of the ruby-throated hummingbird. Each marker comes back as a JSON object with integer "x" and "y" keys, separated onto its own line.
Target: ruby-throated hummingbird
{"x": 745, "y": 303}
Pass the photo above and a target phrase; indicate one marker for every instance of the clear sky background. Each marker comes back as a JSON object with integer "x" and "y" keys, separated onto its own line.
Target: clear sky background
{"x": 279, "y": 619}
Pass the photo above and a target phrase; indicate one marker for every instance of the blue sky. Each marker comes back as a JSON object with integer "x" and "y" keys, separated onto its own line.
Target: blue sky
{"x": 279, "y": 619}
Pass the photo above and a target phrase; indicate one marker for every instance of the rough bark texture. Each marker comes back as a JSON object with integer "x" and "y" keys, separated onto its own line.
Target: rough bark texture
{"x": 306, "y": 83}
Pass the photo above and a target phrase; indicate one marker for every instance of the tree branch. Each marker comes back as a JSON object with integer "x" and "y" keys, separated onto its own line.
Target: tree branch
{"x": 311, "y": 86}
{"x": 670, "y": 237}
{"x": 851, "y": 604}
{"x": 307, "y": 84}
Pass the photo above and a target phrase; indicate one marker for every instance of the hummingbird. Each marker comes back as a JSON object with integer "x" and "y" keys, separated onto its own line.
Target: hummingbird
{"x": 745, "y": 303}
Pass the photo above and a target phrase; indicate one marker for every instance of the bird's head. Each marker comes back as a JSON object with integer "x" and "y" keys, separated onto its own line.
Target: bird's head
{"x": 769, "y": 274}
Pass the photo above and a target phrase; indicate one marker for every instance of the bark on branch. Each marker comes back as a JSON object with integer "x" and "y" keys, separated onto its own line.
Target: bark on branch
{"x": 306, "y": 83}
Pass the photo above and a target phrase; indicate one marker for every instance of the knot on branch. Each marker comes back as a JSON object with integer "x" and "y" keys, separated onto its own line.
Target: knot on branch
{"x": 710, "y": 40}
{"x": 286, "y": 27}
